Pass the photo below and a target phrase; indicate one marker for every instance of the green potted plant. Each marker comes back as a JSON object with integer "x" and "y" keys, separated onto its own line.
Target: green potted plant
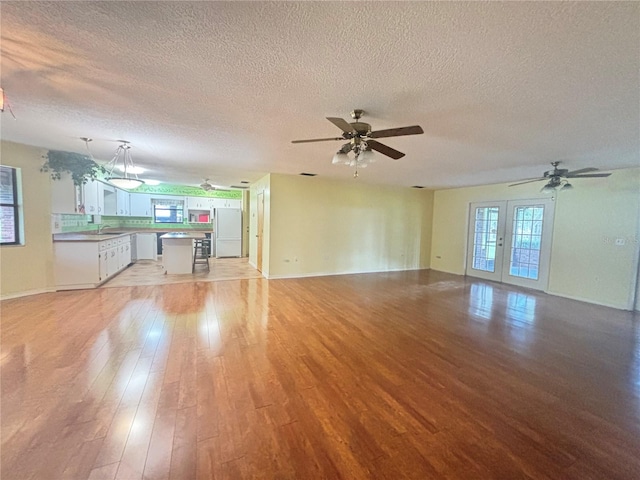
{"x": 81, "y": 167}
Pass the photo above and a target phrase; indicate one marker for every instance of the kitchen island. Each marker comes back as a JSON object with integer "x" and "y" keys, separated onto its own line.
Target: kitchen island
{"x": 177, "y": 251}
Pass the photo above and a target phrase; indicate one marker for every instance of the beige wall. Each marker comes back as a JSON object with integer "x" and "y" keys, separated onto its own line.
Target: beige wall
{"x": 29, "y": 268}
{"x": 585, "y": 262}
{"x": 320, "y": 226}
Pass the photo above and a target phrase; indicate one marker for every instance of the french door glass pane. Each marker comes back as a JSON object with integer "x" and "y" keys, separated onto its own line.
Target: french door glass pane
{"x": 525, "y": 244}
{"x": 484, "y": 239}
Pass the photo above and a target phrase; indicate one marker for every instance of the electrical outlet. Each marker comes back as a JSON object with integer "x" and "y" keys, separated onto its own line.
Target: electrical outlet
{"x": 620, "y": 242}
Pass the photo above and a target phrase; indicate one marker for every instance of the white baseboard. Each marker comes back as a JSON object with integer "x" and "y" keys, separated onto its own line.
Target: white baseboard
{"x": 27, "y": 293}
{"x": 329, "y": 274}
{"x": 588, "y": 300}
{"x": 557, "y": 294}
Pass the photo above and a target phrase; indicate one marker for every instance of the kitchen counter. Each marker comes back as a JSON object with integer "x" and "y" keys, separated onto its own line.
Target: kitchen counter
{"x": 87, "y": 237}
{"x": 183, "y": 235}
{"x": 177, "y": 251}
{"x": 109, "y": 234}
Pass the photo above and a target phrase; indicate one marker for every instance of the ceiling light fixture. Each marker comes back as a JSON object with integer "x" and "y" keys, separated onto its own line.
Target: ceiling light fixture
{"x": 363, "y": 156}
{"x": 556, "y": 183}
{"x": 129, "y": 178}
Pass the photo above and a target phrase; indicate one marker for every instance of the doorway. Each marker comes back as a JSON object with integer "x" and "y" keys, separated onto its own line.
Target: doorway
{"x": 510, "y": 241}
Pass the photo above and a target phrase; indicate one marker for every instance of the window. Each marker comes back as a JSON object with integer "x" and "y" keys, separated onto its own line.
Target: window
{"x": 9, "y": 208}
{"x": 167, "y": 214}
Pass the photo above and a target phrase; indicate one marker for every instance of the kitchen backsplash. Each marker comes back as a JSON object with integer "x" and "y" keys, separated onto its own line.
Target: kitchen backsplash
{"x": 69, "y": 223}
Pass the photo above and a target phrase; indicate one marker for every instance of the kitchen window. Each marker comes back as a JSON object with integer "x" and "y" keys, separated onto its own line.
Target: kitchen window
{"x": 166, "y": 213}
{"x": 10, "y": 226}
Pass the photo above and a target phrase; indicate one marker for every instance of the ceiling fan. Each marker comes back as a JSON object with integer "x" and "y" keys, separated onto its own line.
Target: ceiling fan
{"x": 206, "y": 186}
{"x": 559, "y": 177}
{"x": 361, "y": 141}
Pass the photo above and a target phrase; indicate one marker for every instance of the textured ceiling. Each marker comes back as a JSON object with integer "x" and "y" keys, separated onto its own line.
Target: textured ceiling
{"x": 219, "y": 89}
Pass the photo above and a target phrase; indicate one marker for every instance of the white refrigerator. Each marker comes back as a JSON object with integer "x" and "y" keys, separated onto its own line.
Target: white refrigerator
{"x": 228, "y": 232}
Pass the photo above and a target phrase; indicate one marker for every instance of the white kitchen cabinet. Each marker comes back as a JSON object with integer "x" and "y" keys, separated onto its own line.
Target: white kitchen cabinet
{"x": 92, "y": 197}
{"x": 147, "y": 246}
{"x": 122, "y": 202}
{"x": 64, "y": 195}
{"x": 226, "y": 203}
{"x": 140, "y": 204}
{"x": 198, "y": 203}
{"x": 87, "y": 264}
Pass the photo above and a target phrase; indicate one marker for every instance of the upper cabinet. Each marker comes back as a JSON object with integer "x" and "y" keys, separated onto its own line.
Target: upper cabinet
{"x": 140, "y": 204}
{"x": 122, "y": 202}
{"x": 226, "y": 203}
{"x": 198, "y": 203}
{"x": 92, "y": 197}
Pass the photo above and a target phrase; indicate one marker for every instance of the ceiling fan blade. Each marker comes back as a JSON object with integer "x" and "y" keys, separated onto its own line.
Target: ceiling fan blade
{"x": 528, "y": 181}
{"x": 397, "y": 132}
{"x": 317, "y": 140}
{"x": 383, "y": 149}
{"x": 582, "y": 170}
{"x": 588, "y": 175}
{"x": 342, "y": 124}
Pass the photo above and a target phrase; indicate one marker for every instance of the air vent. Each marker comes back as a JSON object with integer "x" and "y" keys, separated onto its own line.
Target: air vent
{"x": 308, "y": 174}
{"x": 243, "y": 181}
{"x": 417, "y": 186}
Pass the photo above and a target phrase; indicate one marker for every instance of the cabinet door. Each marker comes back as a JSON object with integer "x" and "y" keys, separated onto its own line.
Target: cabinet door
{"x": 103, "y": 269}
{"x": 90, "y": 197}
{"x": 127, "y": 255}
{"x": 122, "y": 202}
{"x": 112, "y": 261}
{"x": 140, "y": 204}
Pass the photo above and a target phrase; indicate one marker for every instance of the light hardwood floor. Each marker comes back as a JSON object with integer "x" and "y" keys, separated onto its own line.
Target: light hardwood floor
{"x": 150, "y": 272}
{"x": 395, "y": 375}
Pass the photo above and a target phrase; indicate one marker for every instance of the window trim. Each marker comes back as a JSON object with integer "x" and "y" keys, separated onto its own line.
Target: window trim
{"x": 16, "y": 208}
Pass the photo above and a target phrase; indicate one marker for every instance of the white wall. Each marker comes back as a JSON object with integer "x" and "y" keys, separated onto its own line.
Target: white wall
{"x": 585, "y": 262}
{"x": 321, "y": 227}
{"x": 28, "y": 268}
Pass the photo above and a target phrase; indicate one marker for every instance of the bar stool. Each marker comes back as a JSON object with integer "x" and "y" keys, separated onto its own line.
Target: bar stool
{"x": 201, "y": 249}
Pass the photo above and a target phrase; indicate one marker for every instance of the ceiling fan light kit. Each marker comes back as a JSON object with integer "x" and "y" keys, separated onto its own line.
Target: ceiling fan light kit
{"x": 558, "y": 178}
{"x": 361, "y": 141}
{"x": 122, "y": 161}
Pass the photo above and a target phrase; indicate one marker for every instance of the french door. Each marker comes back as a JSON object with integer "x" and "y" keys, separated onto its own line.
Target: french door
{"x": 510, "y": 241}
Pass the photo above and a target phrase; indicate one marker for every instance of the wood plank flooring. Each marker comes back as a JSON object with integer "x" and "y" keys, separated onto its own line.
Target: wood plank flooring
{"x": 384, "y": 376}
{"x": 151, "y": 272}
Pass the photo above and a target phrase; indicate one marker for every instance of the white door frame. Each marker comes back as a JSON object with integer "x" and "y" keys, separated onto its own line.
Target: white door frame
{"x": 542, "y": 282}
{"x": 504, "y": 242}
{"x": 493, "y": 240}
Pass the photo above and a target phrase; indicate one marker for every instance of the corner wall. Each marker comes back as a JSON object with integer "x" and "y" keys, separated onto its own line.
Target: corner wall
{"x": 323, "y": 227}
{"x": 586, "y": 264}
{"x": 28, "y": 269}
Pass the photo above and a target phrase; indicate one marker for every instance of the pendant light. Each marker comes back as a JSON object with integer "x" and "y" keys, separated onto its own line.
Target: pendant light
{"x": 123, "y": 162}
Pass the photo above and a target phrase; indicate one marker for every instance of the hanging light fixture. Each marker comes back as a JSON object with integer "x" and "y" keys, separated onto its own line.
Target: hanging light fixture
{"x": 122, "y": 161}
{"x": 556, "y": 183}
{"x": 362, "y": 155}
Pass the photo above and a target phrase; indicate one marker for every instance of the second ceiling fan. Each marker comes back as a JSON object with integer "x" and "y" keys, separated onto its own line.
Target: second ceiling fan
{"x": 361, "y": 140}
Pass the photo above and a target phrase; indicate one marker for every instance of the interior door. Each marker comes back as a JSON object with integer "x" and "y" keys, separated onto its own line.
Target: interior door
{"x": 510, "y": 241}
{"x": 486, "y": 240}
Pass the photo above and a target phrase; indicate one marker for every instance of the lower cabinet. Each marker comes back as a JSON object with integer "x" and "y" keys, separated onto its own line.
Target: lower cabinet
{"x": 86, "y": 264}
